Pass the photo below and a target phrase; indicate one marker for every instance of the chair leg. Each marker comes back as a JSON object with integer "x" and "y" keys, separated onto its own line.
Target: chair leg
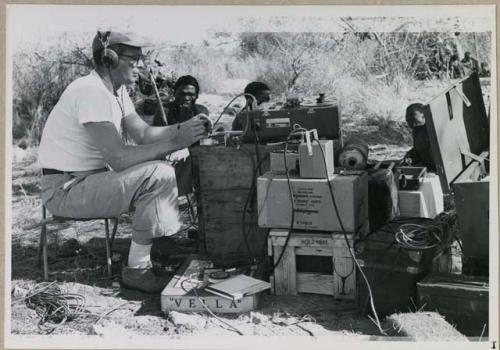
{"x": 108, "y": 249}
{"x": 115, "y": 228}
{"x": 42, "y": 233}
{"x": 42, "y": 253}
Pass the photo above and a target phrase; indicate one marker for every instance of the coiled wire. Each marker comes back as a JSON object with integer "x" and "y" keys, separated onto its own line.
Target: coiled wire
{"x": 54, "y": 306}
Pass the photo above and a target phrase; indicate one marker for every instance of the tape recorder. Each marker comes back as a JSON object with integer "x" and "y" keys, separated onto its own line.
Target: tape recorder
{"x": 274, "y": 125}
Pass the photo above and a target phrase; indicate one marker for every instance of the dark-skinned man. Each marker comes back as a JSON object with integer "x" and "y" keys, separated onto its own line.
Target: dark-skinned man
{"x": 261, "y": 93}
{"x": 89, "y": 171}
{"x": 181, "y": 109}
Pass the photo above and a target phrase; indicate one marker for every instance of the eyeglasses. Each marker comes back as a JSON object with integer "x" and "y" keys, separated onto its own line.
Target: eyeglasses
{"x": 133, "y": 59}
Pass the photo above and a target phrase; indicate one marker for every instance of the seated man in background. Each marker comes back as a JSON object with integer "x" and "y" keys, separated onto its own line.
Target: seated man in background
{"x": 184, "y": 106}
{"x": 261, "y": 92}
{"x": 456, "y": 69}
{"x": 181, "y": 109}
{"x": 420, "y": 154}
{"x": 82, "y": 140}
{"x": 470, "y": 63}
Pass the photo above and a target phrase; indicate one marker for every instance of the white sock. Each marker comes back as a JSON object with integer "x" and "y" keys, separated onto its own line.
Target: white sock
{"x": 139, "y": 256}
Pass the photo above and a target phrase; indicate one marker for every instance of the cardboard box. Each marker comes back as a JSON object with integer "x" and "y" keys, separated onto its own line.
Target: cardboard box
{"x": 313, "y": 166}
{"x": 313, "y": 205}
{"x": 426, "y": 202}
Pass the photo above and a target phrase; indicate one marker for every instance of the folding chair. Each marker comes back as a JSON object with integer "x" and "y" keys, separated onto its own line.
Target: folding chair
{"x": 43, "y": 249}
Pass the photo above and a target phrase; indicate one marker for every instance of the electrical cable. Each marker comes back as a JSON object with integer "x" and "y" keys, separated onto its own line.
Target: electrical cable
{"x": 52, "y": 305}
{"x": 229, "y": 104}
{"x": 245, "y": 207}
{"x": 351, "y": 252}
{"x": 297, "y": 129}
{"x": 194, "y": 289}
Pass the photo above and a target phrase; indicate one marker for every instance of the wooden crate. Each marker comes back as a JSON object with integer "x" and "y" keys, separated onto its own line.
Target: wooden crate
{"x": 223, "y": 177}
{"x": 288, "y": 280}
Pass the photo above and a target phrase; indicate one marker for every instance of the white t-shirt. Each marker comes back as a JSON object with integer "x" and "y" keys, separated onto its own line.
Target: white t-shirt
{"x": 65, "y": 143}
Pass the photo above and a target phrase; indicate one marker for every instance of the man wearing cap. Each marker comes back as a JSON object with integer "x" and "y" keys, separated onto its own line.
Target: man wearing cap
{"x": 90, "y": 172}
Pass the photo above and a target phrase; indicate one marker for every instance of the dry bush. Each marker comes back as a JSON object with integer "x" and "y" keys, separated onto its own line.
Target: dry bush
{"x": 40, "y": 75}
{"x": 372, "y": 75}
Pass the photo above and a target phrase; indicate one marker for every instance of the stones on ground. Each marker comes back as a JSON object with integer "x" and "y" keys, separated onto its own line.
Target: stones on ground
{"x": 108, "y": 328}
{"x": 258, "y": 318}
{"x": 189, "y": 321}
{"x": 18, "y": 292}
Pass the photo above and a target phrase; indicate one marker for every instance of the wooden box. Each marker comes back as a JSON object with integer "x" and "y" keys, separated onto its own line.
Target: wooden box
{"x": 185, "y": 292}
{"x": 224, "y": 176}
{"x": 338, "y": 277}
{"x": 462, "y": 300}
{"x": 459, "y": 136}
{"x": 314, "y": 209}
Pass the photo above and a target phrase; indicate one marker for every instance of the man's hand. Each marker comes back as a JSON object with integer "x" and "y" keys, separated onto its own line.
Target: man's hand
{"x": 178, "y": 156}
{"x": 193, "y": 130}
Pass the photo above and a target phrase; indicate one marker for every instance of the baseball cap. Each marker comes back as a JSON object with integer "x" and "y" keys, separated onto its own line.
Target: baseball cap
{"x": 114, "y": 38}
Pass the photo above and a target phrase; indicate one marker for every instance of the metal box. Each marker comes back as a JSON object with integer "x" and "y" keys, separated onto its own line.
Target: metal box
{"x": 313, "y": 205}
{"x": 426, "y": 202}
{"x": 472, "y": 205}
{"x": 462, "y": 300}
{"x": 392, "y": 271}
{"x": 275, "y": 125}
{"x": 410, "y": 178}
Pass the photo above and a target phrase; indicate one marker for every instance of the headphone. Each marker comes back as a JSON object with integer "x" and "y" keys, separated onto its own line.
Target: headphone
{"x": 108, "y": 57}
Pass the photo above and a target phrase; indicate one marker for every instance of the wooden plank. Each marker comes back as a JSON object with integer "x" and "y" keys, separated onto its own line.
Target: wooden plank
{"x": 222, "y": 238}
{"x": 285, "y": 273}
{"x": 226, "y": 206}
{"x": 221, "y": 167}
{"x": 319, "y": 240}
{"x": 315, "y": 283}
{"x": 313, "y": 251}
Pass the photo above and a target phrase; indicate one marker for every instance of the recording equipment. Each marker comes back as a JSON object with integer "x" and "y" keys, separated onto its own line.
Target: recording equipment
{"x": 275, "y": 125}
{"x": 354, "y": 155}
{"x": 410, "y": 178}
{"x": 108, "y": 57}
{"x": 277, "y": 162}
{"x": 226, "y": 138}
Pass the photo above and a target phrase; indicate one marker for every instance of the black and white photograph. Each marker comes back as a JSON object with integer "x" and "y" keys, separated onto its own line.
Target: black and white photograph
{"x": 236, "y": 177}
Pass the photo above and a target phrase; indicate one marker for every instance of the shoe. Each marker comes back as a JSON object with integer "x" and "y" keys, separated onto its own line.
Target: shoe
{"x": 143, "y": 280}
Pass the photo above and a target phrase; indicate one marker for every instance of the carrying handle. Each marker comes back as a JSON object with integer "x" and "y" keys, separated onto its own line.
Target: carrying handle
{"x": 463, "y": 97}
{"x": 307, "y": 134}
